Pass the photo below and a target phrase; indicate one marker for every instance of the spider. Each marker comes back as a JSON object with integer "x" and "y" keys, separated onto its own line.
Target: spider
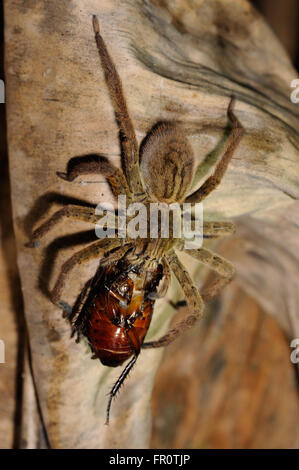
{"x": 115, "y": 307}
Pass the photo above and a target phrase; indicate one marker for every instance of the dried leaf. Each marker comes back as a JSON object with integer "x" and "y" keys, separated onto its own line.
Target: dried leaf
{"x": 178, "y": 61}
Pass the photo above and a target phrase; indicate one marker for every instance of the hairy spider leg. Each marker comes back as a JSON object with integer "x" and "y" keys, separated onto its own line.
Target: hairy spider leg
{"x": 71, "y": 313}
{"x": 218, "y": 264}
{"x": 97, "y": 249}
{"x": 193, "y": 298}
{"x": 128, "y": 138}
{"x": 233, "y": 141}
{"x": 218, "y": 229}
{"x": 113, "y": 174}
{"x": 86, "y": 214}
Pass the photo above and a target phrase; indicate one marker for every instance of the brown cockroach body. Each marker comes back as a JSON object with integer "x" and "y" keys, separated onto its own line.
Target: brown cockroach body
{"x": 118, "y": 311}
{"x": 114, "y": 313}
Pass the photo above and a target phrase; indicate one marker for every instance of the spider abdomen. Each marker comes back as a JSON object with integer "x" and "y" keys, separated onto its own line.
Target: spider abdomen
{"x": 167, "y": 163}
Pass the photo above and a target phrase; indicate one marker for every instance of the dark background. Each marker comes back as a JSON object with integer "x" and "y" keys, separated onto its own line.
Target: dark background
{"x": 283, "y": 17}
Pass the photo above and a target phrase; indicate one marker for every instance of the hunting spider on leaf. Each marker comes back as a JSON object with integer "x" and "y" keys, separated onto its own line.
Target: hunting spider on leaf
{"x": 115, "y": 307}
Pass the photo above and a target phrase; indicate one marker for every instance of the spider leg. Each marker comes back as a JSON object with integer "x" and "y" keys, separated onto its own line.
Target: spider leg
{"x": 128, "y": 137}
{"x": 97, "y": 249}
{"x": 86, "y": 214}
{"x": 76, "y": 310}
{"x": 102, "y": 166}
{"x": 218, "y": 264}
{"x": 118, "y": 384}
{"x": 218, "y": 229}
{"x": 232, "y": 143}
{"x": 193, "y": 298}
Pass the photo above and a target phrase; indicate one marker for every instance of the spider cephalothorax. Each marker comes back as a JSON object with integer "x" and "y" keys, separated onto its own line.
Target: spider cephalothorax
{"x": 114, "y": 309}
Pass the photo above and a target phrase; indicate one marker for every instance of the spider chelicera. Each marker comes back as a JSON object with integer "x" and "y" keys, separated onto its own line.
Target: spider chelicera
{"x": 115, "y": 307}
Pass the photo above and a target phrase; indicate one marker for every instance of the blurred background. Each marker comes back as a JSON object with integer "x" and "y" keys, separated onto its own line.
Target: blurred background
{"x": 219, "y": 386}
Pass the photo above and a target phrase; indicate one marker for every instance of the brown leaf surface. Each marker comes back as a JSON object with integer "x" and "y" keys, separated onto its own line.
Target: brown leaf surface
{"x": 229, "y": 383}
{"x": 11, "y": 310}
